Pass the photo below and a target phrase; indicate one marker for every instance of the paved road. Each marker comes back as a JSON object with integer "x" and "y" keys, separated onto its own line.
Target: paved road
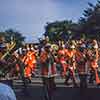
{"x": 35, "y": 91}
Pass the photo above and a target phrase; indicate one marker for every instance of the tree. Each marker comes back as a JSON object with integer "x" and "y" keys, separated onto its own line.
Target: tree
{"x": 90, "y": 22}
{"x": 60, "y": 30}
{"x": 13, "y": 35}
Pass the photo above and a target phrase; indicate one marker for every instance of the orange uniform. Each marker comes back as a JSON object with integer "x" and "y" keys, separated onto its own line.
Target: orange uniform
{"x": 93, "y": 61}
{"x": 81, "y": 62}
{"x": 30, "y": 62}
{"x": 70, "y": 58}
{"x": 62, "y": 60}
{"x": 48, "y": 68}
{"x": 17, "y": 67}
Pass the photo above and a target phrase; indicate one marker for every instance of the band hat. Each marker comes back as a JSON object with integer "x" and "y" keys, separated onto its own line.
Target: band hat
{"x": 95, "y": 46}
{"x": 48, "y": 45}
{"x": 63, "y": 46}
{"x": 83, "y": 46}
{"x": 72, "y": 47}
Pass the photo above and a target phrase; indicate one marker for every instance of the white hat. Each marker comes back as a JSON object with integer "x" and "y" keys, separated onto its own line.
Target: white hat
{"x": 72, "y": 47}
{"x": 63, "y": 46}
{"x": 83, "y": 46}
{"x": 96, "y": 46}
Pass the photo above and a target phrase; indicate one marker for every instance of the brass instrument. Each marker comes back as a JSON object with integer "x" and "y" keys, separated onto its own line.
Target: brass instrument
{"x": 54, "y": 47}
{"x": 12, "y": 45}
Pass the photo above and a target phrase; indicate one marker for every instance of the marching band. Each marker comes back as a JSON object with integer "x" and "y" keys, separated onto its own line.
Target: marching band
{"x": 77, "y": 59}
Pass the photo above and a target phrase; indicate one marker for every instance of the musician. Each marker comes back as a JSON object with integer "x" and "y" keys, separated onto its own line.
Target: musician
{"x": 62, "y": 60}
{"x": 70, "y": 60}
{"x": 93, "y": 61}
{"x": 81, "y": 61}
{"x": 30, "y": 62}
{"x": 48, "y": 70}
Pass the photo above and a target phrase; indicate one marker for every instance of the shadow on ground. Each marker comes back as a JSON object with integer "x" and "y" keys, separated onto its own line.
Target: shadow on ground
{"x": 35, "y": 91}
{"x": 61, "y": 93}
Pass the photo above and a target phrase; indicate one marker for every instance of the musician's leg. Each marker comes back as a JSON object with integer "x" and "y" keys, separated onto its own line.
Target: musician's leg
{"x": 46, "y": 88}
{"x": 83, "y": 80}
{"x": 92, "y": 76}
{"x": 73, "y": 77}
{"x": 67, "y": 77}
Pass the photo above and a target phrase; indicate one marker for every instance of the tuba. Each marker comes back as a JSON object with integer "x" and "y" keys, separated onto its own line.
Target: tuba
{"x": 54, "y": 47}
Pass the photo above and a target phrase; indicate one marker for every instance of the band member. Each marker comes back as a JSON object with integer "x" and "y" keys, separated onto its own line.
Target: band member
{"x": 20, "y": 65}
{"x": 62, "y": 60}
{"x": 93, "y": 59}
{"x": 70, "y": 59}
{"x": 30, "y": 62}
{"x": 19, "y": 56}
{"x": 48, "y": 71}
{"x": 81, "y": 61}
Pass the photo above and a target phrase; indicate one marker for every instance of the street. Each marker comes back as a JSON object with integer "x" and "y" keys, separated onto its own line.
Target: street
{"x": 35, "y": 91}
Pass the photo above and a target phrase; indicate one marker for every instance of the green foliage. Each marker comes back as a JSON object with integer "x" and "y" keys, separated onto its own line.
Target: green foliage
{"x": 11, "y": 35}
{"x": 60, "y": 30}
{"x": 88, "y": 25}
{"x": 90, "y": 22}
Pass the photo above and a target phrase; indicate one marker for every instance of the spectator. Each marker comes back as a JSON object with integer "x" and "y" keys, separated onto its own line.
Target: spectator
{"x": 6, "y": 93}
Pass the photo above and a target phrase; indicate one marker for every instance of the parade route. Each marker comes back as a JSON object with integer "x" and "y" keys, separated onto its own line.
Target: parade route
{"x": 35, "y": 91}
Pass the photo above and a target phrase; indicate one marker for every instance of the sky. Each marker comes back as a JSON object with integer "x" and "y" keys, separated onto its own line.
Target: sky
{"x": 30, "y": 16}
